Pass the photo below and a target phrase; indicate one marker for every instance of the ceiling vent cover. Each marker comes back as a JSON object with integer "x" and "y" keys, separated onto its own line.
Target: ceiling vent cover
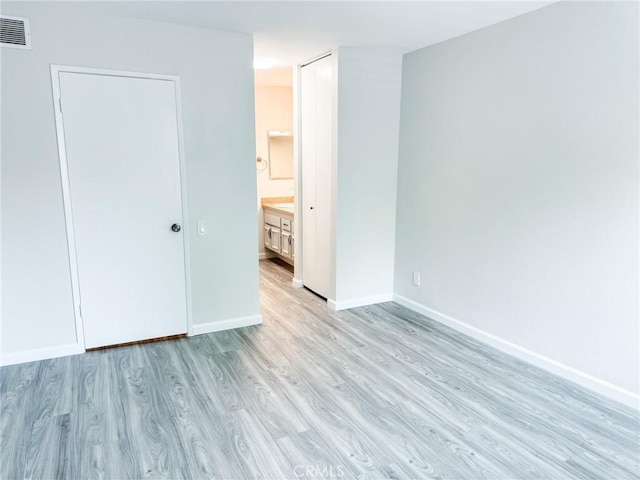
{"x": 15, "y": 32}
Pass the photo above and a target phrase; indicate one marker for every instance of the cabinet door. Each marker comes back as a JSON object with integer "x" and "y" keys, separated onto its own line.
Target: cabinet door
{"x": 285, "y": 245}
{"x": 291, "y": 247}
{"x": 267, "y": 235}
{"x": 275, "y": 239}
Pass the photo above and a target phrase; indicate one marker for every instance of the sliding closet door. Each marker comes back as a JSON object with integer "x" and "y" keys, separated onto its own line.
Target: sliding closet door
{"x": 316, "y": 147}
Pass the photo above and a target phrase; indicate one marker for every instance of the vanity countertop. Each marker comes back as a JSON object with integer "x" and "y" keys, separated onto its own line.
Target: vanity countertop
{"x": 279, "y": 207}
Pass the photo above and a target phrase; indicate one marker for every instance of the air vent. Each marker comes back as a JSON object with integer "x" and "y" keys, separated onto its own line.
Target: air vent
{"x": 15, "y": 32}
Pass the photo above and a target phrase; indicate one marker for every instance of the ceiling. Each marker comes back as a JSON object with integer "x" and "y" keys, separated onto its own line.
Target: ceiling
{"x": 294, "y": 31}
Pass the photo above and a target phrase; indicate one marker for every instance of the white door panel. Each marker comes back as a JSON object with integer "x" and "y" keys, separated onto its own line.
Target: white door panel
{"x": 316, "y": 153}
{"x": 121, "y": 139}
{"x": 324, "y": 145}
{"x": 308, "y": 156}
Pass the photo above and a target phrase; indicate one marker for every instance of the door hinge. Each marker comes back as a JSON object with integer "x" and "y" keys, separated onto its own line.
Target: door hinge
{"x": 60, "y": 103}
{"x": 80, "y": 310}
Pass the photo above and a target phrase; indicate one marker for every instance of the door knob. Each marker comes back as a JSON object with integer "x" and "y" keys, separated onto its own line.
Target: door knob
{"x": 175, "y": 227}
{"x": 310, "y": 208}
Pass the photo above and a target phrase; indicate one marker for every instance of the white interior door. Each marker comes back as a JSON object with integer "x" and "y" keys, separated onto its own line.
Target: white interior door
{"x": 122, "y": 153}
{"x": 308, "y": 163}
{"x": 324, "y": 171}
{"x": 316, "y": 151}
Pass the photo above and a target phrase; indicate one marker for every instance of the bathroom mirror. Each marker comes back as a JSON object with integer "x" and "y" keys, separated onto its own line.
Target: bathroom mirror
{"x": 280, "y": 154}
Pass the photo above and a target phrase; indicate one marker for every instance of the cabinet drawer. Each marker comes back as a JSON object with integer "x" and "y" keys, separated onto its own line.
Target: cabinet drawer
{"x": 272, "y": 219}
{"x": 286, "y": 224}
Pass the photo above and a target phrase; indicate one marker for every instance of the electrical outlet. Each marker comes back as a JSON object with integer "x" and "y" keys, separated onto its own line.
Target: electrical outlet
{"x": 416, "y": 278}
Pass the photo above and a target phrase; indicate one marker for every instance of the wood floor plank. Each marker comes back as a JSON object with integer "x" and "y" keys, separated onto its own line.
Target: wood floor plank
{"x": 275, "y": 411}
{"x": 48, "y": 453}
{"x": 309, "y": 455}
{"x": 375, "y": 392}
{"x": 200, "y": 416}
{"x": 332, "y": 422}
{"x": 16, "y": 397}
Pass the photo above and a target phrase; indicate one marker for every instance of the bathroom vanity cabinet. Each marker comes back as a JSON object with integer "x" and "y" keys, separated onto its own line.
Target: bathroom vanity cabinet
{"x": 278, "y": 231}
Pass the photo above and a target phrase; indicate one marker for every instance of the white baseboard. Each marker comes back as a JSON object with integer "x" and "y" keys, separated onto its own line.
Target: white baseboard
{"x": 229, "y": 324}
{"x": 577, "y": 376}
{"x": 358, "y": 302}
{"x": 262, "y": 256}
{"x": 297, "y": 283}
{"x": 41, "y": 354}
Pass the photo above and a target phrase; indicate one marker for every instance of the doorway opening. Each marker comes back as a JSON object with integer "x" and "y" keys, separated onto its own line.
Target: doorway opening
{"x": 274, "y": 113}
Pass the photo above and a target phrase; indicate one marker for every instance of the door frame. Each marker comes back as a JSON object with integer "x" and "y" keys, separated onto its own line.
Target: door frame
{"x": 66, "y": 189}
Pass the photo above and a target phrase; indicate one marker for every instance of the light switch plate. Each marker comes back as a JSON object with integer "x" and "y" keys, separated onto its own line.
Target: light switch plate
{"x": 416, "y": 279}
{"x": 202, "y": 228}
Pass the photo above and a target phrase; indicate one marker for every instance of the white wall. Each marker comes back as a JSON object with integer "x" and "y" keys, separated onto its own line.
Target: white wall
{"x": 218, "y": 112}
{"x": 368, "y": 112}
{"x": 274, "y": 111}
{"x": 518, "y": 184}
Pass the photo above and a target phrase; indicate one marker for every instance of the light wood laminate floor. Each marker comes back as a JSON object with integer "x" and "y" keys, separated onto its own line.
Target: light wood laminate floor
{"x": 373, "y": 392}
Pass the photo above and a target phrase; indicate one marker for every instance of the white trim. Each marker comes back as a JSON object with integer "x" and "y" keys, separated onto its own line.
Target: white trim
{"x": 66, "y": 191}
{"x": 569, "y": 373}
{"x": 297, "y": 173}
{"x": 297, "y": 283}
{"x": 113, "y": 73}
{"x": 66, "y": 200}
{"x": 41, "y": 354}
{"x": 228, "y": 324}
{"x": 359, "y": 302}
{"x": 186, "y": 223}
{"x": 262, "y": 256}
{"x": 333, "y": 201}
